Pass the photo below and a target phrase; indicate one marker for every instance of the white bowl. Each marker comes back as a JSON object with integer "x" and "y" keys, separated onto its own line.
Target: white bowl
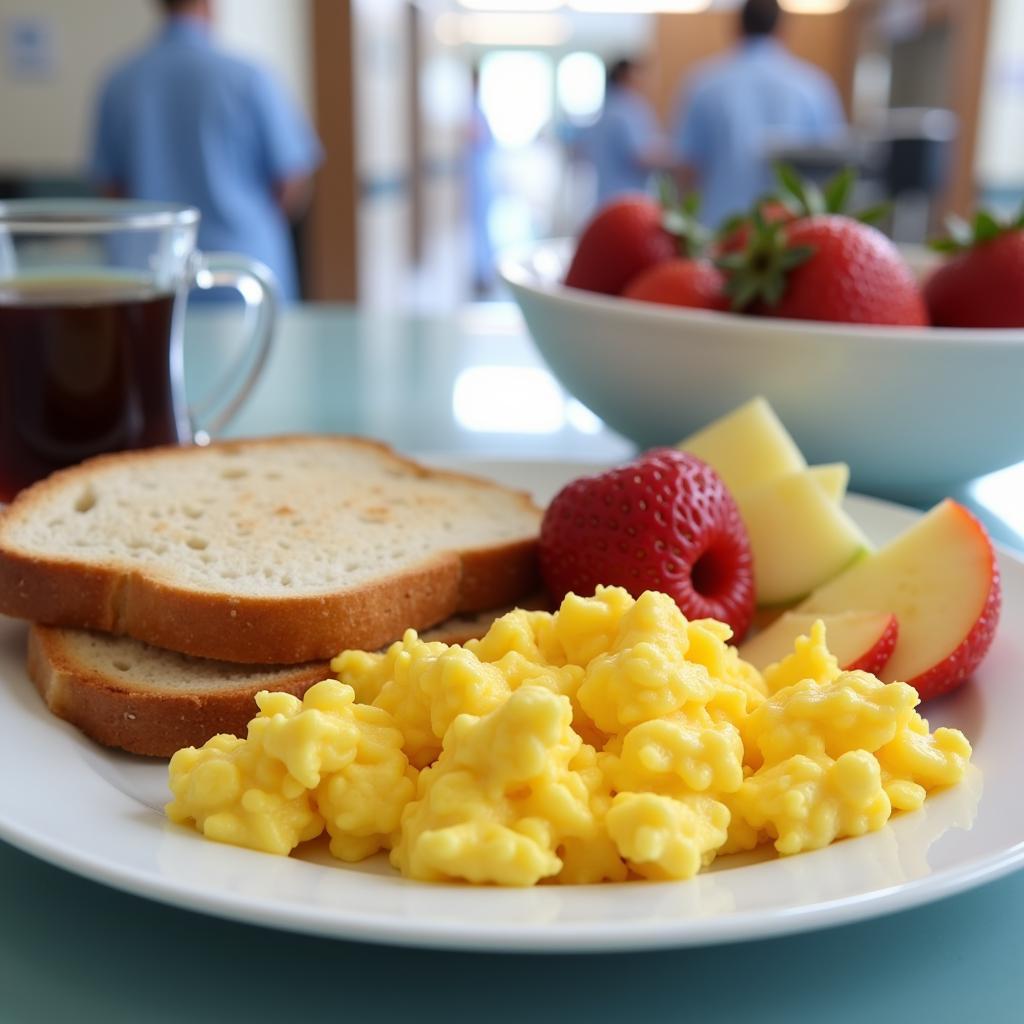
{"x": 916, "y": 412}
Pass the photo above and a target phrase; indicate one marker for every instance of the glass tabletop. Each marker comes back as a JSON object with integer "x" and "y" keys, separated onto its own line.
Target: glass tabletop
{"x": 471, "y": 384}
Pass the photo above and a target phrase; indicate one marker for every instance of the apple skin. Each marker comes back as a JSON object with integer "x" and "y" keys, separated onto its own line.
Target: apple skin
{"x": 950, "y": 555}
{"x": 875, "y": 658}
{"x": 956, "y": 669}
{"x": 879, "y": 638}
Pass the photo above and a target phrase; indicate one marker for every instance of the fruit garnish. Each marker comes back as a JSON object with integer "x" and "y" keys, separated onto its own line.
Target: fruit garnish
{"x": 623, "y": 239}
{"x": 758, "y": 272}
{"x": 982, "y": 285}
{"x": 694, "y": 283}
{"x": 986, "y": 227}
{"x": 664, "y": 522}
{"x": 941, "y": 580}
{"x": 630, "y": 235}
{"x": 689, "y": 280}
{"x": 680, "y": 218}
{"x": 803, "y": 198}
{"x": 746, "y": 447}
{"x": 826, "y": 267}
{"x": 799, "y": 534}
{"x": 861, "y": 641}
{"x": 796, "y": 197}
{"x": 800, "y": 537}
{"x": 734, "y": 234}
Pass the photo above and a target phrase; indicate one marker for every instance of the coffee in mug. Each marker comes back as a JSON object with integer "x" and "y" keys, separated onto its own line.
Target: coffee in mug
{"x": 92, "y": 295}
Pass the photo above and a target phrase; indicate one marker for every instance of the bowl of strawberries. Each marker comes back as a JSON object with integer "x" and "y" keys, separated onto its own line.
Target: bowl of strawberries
{"x": 914, "y": 382}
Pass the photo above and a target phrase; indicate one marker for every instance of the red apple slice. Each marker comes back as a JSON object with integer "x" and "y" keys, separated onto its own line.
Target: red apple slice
{"x": 859, "y": 640}
{"x": 941, "y": 580}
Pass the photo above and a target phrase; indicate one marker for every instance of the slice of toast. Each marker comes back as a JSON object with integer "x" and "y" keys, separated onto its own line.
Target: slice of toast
{"x": 127, "y": 694}
{"x": 272, "y": 551}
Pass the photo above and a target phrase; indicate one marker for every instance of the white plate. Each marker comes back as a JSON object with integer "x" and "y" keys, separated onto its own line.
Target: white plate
{"x": 98, "y": 813}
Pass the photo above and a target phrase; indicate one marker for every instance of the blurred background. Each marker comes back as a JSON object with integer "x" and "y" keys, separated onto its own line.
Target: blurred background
{"x": 451, "y": 130}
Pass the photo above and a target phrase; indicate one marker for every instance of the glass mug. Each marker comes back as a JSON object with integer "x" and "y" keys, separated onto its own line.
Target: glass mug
{"x": 92, "y": 301}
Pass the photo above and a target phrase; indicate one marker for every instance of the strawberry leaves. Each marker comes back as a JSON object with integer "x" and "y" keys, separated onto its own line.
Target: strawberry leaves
{"x": 838, "y": 191}
{"x": 806, "y": 199}
{"x": 759, "y": 271}
{"x": 679, "y": 218}
{"x": 985, "y": 227}
{"x": 802, "y": 197}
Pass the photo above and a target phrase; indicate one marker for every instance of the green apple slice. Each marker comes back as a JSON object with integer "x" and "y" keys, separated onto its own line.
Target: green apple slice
{"x": 747, "y": 447}
{"x": 799, "y": 536}
{"x": 834, "y": 477}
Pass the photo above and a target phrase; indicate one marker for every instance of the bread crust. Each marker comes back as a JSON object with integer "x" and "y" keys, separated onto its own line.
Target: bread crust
{"x": 291, "y": 629}
{"x": 155, "y": 723}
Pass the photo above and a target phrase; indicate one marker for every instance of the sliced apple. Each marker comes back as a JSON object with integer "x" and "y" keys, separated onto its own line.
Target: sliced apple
{"x": 859, "y": 640}
{"x": 833, "y": 477}
{"x": 799, "y": 537}
{"x": 941, "y": 580}
{"x": 747, "y": 447}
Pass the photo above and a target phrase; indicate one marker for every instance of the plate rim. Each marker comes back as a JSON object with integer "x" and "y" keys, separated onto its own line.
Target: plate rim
{"x": 544, "y": 938}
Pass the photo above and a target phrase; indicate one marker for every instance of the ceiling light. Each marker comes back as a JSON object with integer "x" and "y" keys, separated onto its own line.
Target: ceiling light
{"x": 502, "y": 29}
{"x": 814, "y": 6}
{"x": 511, "y": 6}
{"x": 639, "y": 6}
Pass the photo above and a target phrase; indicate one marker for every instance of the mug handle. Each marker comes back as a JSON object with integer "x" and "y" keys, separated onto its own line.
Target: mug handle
{"x": 258, "y": 288}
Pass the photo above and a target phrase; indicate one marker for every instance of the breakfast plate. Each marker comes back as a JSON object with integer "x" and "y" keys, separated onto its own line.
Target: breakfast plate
{"x": 99, "y": 813}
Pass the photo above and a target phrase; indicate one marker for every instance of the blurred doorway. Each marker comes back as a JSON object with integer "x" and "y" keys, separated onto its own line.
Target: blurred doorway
{"x": 396, "y": 105}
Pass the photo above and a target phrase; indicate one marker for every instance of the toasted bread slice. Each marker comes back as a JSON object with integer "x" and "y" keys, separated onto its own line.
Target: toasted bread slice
{"x": 273, "y": 551}
{"x": 124, "y": 693}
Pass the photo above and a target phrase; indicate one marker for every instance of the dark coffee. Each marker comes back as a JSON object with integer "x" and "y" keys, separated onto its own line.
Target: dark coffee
{"x": 86, "y": 366}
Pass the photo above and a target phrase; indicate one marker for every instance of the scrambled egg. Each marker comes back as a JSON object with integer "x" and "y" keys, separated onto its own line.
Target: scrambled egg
{"x": 610, "y": 739}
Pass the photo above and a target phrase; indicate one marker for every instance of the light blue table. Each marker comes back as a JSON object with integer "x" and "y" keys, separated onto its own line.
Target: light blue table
{"x": 74, "y": 950}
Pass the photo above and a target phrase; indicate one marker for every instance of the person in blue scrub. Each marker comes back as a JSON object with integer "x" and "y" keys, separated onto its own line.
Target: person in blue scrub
{"x": 480, "y": 183}
{"x": 626, "y": 143}
{"x": 737, "y": 109}
{"x": 184, "y": 122}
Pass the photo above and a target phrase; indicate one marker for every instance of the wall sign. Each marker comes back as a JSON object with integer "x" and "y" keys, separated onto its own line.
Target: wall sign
{"x": 29, "y": 48}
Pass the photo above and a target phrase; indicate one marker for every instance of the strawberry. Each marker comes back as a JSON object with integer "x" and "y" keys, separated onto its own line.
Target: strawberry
{"x": 663, "y": 522}
{"x": 982, "y": 285}
{"x": 736, "y": 233}
{"x": 698, "y": 284}
{"x": 795, "y": 198}
{"x": 824, "y": 267}
{"x": 623, "y": 239}
{"x": 689, "y": 279}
